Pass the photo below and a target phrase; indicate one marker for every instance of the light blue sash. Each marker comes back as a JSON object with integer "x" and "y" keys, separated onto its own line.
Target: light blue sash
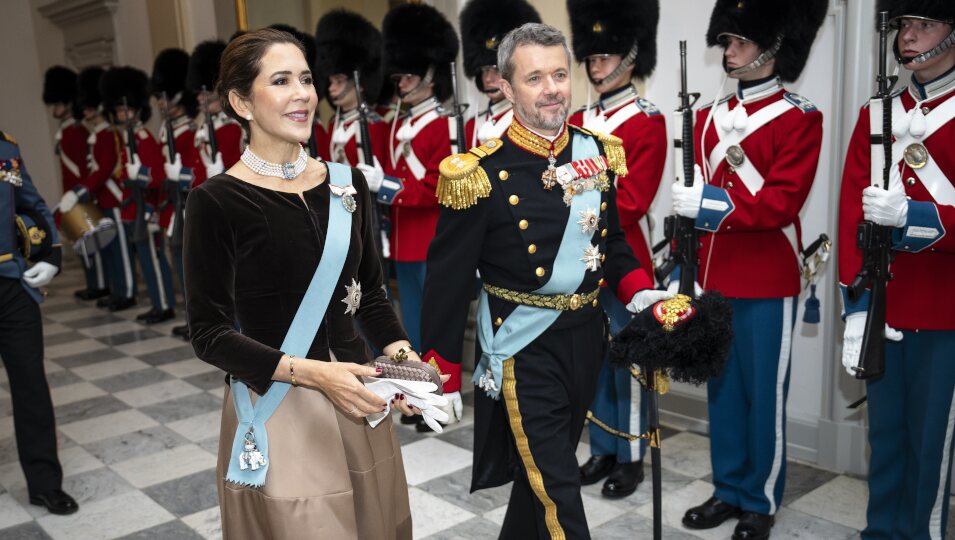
{"x": 526, "y": 323}
{"x": 297, "y": 341}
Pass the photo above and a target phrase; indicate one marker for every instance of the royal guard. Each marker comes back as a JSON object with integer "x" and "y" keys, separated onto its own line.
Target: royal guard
{"x": 139, "y": 172}
{"x": 758, "y": 149}
{"x": 183, "y": 165}
{"x": 535, "y": 213}
{"x": 419, "y": 45}
{"x": 483, "y": 24}
{"x": 616, "y": 42}
{"x": 59, "y": 93}
{"x": 201, "y": 79}
{"x": 911, "y": 411}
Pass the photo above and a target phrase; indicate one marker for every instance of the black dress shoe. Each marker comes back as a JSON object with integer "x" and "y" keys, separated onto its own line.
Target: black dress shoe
{"x": 710, "y": 514}
{"x": 56, "y": 501}
{"x": 596, "y": 469}
{"x": 104, "y": 302}
{"x": 121, "y": 304}
{"x": 91, "y": 294}
{"x": 147, "y": 314}
{"x": 753, "y": 526}
{"x": 410, "y": 420}
{"x": 623, "y": 480}
{"x": 181, "y": 331}
{"x": 160, "y": 316}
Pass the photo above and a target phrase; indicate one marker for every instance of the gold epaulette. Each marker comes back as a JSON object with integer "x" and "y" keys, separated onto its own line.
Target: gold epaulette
{"x": 9, "y": 138}
{"x": 613, "y": 149}
{"x": 462, "y": 180}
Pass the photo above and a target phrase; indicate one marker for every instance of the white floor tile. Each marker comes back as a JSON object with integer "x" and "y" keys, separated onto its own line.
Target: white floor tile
{"x": 187, "y": 368}
{"x": 6, "y": 427}
{"x": 107, "y": 518}
{"x": 74, "y": 347}
{"x": 688, "y": 454}
{"x": 75, "y": 314}
{"x": 430, "y": 458}
{"x": 207, "y": 523}
{"x": 675, "y": 504}
{"x": 150, "y": 345}
{"x": 496, "y": 515}
{"x": 76, "y": 460}
{"x": 199, "y": 427}
{"x": 148, "y": 470}
{"x": 156, "y": 393}
{"x": 72, "y": 393}
{"x": 841, "y": 500}
{"x": 108, "y": 425}
{"x": 53, "y": 329}
{"x": 101, "y": 370}
{"x": 110, "y": 329}
{"x": 430, "y": 514}
{"x": 599, "y": 511}
{"x": 11, "y": 513}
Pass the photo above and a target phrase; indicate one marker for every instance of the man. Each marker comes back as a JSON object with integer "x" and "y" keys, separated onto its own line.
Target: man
{"x": 100, "y": 184}
{"x": 535, "y": 213}
{"x": 760, "y": 148}
{"x": 59, "y": 93}
{"x": 483, "y": 25}
{"x": 125, "y": 93}
{"x": 617, "y": 43}
{"x": 29, "y": 258}
{"x": 183, "y": 169}
{"x": 419, "y": 44}
{"x": 910, "y": 405}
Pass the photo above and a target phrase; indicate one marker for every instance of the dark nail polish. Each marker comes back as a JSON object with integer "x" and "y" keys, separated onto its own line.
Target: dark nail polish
{"x": 378, "y": 370}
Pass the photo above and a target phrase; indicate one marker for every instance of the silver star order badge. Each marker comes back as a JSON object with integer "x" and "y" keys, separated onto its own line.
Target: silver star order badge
{"x": 591, "y": 258}
{"x": 348, "y": 201}
{"x": 352, "y": 297}
{"x": 589, "y": 221}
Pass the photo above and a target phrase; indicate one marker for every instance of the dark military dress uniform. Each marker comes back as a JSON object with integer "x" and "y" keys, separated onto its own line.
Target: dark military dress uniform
{"x": 499, "y": 219}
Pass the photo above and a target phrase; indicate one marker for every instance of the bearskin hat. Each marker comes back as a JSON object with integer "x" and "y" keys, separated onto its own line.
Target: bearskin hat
{"x": 483, "y": 25}
{"x": 169, "y": 78}
{"x": 415, "y": 37}
{"x": 59, "y": 85}
{"x": 612, "y": 27}
{"x": 689, "y": 339}
{"x": 203, "y": 68}
{"x": 306, "y": 40}
{"x": 87, "y": 88}
{"x": 346, "y": 41}
{"x": 764, "y": 21}
{"x": 129, "y": 83}
{"x": 939, "y": 10}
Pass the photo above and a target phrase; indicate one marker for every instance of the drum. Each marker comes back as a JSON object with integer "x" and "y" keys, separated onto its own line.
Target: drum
{"x": 87, "y": 228}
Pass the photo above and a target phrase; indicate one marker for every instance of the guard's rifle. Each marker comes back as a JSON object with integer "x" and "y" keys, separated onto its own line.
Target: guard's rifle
{"x": 874, "y": 240}
{"x": 210, "y": 125}
{"x": 368, "y": 157}
{"x": 174, "y": 186}
{"x": 457, "y": 111}
{"x": 134, "y": 185}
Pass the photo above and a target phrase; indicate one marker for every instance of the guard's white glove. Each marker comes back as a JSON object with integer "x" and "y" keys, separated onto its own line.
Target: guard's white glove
{"x": 646, "y": 298}
{"x": 887, "y": 207}
{"x": 852, "y": 340}
{"x": 68, "y": 201}
{"x": 455, "y": 407}
{"x": 687, "y": 200}
{"x": 674, "y": 287}
{"x": 173, "y": 170}
{"x": 132, "y": 168}
{"x": 213, "y": 166}
{"x": 39, "y": 274}
{"x": 417, "y": 394}
{"x": 373, "y": 175}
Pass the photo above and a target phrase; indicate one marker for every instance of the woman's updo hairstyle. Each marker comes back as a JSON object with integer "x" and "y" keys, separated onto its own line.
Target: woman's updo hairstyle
{"x": 240, "y": 65}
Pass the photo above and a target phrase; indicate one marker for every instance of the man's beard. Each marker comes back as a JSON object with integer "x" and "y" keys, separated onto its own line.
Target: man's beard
{"x": 537, "y": 120}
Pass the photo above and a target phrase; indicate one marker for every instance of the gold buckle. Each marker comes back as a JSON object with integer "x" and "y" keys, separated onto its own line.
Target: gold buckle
{"x": 574, "y": 302}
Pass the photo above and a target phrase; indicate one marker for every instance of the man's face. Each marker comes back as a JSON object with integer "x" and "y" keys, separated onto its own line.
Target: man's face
{"x": 601, "y": 65}
{"x": 540, "y": 86}
{"x": 741, "y": 52}
{"x": 408, "y": 88}
{"x": 60, "y": 110}
{"x": 341, "y": 93}
{"x": 211, "y": 101}
{"x": 491, "y": 79}
{"x": 917, "y": 36}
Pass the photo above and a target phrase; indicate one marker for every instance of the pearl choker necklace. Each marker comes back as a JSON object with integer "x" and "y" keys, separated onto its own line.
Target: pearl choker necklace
{"x": 287, "y": 171}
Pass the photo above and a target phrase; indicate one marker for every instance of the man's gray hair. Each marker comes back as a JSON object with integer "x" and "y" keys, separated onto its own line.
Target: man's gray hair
{"x": 528, "y": 34}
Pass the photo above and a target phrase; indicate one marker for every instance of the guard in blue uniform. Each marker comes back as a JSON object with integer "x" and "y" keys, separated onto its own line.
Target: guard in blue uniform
{"x": 29, "y": 258}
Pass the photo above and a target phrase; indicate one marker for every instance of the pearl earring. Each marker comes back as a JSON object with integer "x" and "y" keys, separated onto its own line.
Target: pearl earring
{"x": 249, "y": 118}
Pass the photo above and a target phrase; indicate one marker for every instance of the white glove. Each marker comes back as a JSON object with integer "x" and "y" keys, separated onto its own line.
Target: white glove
{"x": 646, "y": 298}
{"x": 674, "y": 287}
{"x": 418, "y": 394}
{"x": 213, "y": 166}
{"x": 373, "y": 175}
{"x": 132, "y": 168}
{"x": 455, "y": 407}
{"x": 39, "y": 274}
{"x": 68, "y": 201}
{"x": 687, "y": 200}
{"x": 852, "y": 340}
{"x": 173, "y": 170}
{"x": 887, "y": 207}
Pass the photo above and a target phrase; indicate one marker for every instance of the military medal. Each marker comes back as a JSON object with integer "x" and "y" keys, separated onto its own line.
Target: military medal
{"x": 549, "y": 178}
{"x": 592, "y": 258}
{"x": 10, "y": 172}
{"x": 588, "y": 221}
{"x": 735, "y": 155}
{"x": 352, "y": 298}
{"x": 347, "y": 194}
{"x": 915, "y": 155}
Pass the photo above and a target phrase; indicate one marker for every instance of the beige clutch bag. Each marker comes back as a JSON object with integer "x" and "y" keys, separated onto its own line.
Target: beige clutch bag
{"x": 409, "y": 370}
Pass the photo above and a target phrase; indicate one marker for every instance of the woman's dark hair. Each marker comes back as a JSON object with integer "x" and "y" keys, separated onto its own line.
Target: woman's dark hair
{"x": 240, "y": 64}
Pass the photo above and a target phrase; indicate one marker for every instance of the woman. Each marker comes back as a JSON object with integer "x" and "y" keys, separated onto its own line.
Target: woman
{"x": 254, "y": 240}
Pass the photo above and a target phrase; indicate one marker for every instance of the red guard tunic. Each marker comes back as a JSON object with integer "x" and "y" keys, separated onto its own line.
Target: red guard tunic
{"x": 491, "y": 123}
{"x": 71, "y": 149}
{"x": 228, "y": 141}
{"x": 342, "y": 142}
{"x": 752, "y": 208}
{"x": 184, "y": 131}
{"x": 642, "y": 128}
{"x": 99, "y": 183}
{"x": 421, "y": 140}
{"x": 924, "y": 250}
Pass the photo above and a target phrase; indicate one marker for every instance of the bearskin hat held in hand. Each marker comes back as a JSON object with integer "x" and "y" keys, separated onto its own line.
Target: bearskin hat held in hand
{"x": 612, "y": 27}
{"x": 415, "y": 37}
{"x": 692, "y": 349}
{"x": 169, "y": 78}
{"x": 344, "y": 42}
{"x": 126, "y": 82}
{"x": 483, "y": 25}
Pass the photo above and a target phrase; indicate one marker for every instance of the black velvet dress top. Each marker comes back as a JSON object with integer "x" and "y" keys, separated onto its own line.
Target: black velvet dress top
{"x": 249, "y": 254}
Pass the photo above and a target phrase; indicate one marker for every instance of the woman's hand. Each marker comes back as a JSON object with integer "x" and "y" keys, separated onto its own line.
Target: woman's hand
{"x": 339, "y": 381}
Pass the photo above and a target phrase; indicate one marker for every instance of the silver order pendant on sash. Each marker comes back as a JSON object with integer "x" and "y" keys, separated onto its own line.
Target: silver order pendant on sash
{"x": 915, "y": 155}
{"x": 735, "y": 155}
{"x": 349, "y": 203}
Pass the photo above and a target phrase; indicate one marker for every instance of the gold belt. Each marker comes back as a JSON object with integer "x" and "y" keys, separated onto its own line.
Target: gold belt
{"x": 561, "y": 302}
{"x": 4, "y": 257}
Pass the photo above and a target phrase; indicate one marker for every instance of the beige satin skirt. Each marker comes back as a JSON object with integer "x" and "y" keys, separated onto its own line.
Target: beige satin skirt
{"x": 330, "y": 476}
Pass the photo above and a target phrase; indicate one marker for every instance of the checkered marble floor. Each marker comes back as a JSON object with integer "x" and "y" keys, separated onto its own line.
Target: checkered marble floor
{"x": 138, "y": 414}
